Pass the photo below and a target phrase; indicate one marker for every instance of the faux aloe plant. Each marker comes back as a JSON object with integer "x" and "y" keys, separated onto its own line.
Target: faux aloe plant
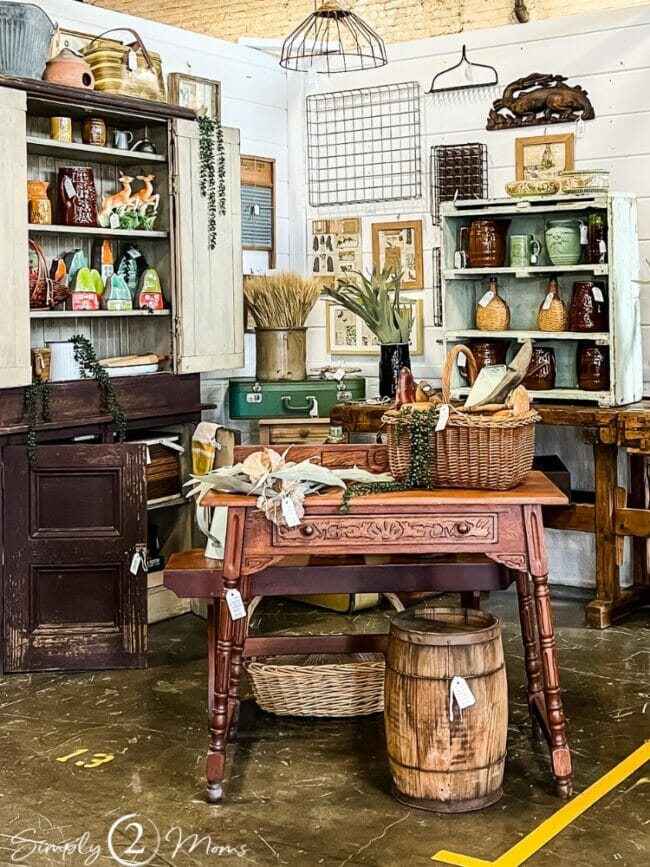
{"x": 376, "y": 299}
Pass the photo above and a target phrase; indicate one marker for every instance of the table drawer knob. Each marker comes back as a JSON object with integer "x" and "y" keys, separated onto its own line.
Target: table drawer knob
{"x": 463, "y": 528}
{"x": 307, "y": 530}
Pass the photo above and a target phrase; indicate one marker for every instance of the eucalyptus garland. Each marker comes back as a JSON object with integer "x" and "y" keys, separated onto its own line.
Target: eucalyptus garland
{"x": 36, "y": 393}
{"x": 420, "y": 425}
{"x": 212, "y": 180}
{"x": 85, "y": 356}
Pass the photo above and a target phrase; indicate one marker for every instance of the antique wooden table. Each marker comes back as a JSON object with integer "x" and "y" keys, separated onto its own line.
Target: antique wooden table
{"x": 611, "y": 512}
{"x": 261, "y": 559}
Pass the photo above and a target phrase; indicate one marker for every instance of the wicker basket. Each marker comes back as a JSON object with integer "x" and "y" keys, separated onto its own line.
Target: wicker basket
{"x": 473, "y": 451}
{"x": 128, "y": 69}
{"x": 328, "y": 685}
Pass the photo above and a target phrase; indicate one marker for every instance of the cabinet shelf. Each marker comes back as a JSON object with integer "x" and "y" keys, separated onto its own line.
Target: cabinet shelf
{"x": 77, "y": 314}
{"x": 602, "y": 398}
{"x": 459, "y": 274}
{"x": 514, "y": 206}
{"x": 52, "y": 229}
{"x": 598, "y": 336}
{"x": 78, "y": 151}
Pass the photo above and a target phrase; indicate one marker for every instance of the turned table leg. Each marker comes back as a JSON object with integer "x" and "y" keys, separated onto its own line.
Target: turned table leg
{"x": 240, "y": 628}
{"x": 608, "y": 588}
{"x": 532, "y": 660}
{"x": 560, "y": 755}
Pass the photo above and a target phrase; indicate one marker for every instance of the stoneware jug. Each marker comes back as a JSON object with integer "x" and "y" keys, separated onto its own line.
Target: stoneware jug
{"x": 593, "y": 367}
{"x": 541, "y": 370}
{"x": 484, "y": 241}
{"x": 563, "y": 242}
{"x": 588, "y": 311}
{"x": 69, "y": 68}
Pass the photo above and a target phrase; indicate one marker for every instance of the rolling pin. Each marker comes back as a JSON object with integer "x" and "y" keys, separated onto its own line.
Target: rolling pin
{"x": 129, "y": 360}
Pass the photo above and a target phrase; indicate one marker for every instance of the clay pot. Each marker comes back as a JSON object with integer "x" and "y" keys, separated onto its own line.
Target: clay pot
{"x": 77, "y": 196}
{"x": 486, "y": 243}
{"x": 541, "y": 370}
{"x": 587, "y": 311}
{"x": 39, "y": 209}
{"x": 593, "y": 367}
{"x": 486, "y": 353}
{"x": 69, "y": 68}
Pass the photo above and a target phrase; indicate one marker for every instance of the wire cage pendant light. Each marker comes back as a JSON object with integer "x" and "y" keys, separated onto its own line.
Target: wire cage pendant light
{"x": 333, "y": 39}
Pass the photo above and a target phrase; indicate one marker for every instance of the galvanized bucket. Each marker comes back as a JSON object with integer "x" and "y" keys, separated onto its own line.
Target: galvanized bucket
{"x": 26, "y": 33}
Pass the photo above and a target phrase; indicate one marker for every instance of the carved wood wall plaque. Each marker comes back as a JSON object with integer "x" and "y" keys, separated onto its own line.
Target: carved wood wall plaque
{"x": 539, "y": 99}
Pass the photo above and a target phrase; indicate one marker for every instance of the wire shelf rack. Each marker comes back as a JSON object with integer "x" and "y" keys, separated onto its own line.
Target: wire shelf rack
{"x": 364, "y": 145}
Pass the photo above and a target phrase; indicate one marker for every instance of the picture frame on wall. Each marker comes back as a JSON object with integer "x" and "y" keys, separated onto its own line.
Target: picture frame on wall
{"x": 398, "y": 247}
{"x": 543, "y": 156}
{"x": 202, "y": 95}
{"x": 348, "y": 334}
{"x": 334, "y": 248}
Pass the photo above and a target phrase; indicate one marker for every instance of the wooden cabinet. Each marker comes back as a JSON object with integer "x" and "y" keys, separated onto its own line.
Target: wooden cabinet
{"x": 524, "y": 290}
{"x": 201, "y": 327}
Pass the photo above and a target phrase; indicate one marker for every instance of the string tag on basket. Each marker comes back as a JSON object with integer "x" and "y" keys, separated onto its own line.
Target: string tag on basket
{"x": 548, "y": 301}
{"x": 289, "y": 512}
{"x": 443, "y": 418}
{"x": 235, "y": 604}
{"x": 461, "y": 360}
{"x": 460, "y": 691}
{"x": 485, "y": 300}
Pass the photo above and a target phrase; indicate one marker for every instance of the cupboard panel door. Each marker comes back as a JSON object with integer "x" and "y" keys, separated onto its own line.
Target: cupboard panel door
{"x": 15, "y": 366}
{"x": 210, "y": 317}
{"x": 72, "y": 526}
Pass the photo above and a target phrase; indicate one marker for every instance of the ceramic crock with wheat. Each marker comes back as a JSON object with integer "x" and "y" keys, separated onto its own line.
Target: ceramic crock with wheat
{"x": 484, "y": 241}
{"x": 77, "y": 196}
{"x": 562, "y": 239}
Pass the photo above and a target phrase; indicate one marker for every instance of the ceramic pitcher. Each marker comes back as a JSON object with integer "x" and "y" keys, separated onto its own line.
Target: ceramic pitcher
{"x": 563, "y": 241}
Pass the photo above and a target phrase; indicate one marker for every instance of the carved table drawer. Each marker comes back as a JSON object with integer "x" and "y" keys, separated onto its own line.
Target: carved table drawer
{"x": 446, "y": 530}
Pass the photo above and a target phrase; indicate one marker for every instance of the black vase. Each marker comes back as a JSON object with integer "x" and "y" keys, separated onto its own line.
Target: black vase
{"x": 394, "y": 356}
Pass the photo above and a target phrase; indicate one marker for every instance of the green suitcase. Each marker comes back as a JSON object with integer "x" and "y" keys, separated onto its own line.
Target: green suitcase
{"x": 313, "y": 397}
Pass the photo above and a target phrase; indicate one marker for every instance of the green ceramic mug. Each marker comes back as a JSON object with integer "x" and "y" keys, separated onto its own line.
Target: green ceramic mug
{"x": 524, "y": 250}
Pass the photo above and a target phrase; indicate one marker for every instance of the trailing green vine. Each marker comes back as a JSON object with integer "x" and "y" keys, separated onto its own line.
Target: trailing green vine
{"x": 89, "y": 365}
{"x": 36, "y": 393}
{"x": 212, "y": 179}
{"x": 420, "y": 426}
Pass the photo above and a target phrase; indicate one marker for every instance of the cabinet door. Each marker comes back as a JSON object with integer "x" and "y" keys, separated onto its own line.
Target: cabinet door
{"x": 72, "y": 526}
{"x": 14, "y": 295}
{"x": 209, "y": 299}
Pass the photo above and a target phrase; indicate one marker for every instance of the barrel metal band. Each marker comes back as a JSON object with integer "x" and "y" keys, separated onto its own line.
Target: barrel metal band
{"x": 464, "y": 676}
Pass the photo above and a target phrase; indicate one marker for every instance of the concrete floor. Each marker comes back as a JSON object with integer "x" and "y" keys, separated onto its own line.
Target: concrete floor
{"x": 304, "y": 792}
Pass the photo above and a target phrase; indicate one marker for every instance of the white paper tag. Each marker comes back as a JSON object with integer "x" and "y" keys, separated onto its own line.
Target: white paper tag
{"x": 148, "y": 456}
{"x": 584, "y": 236}
{"x": 460, "y": 691}
{"x": 235, "y": 604}
{"x": 69, "y": 188}
{"x": 133, "y": 253}
{"x": 289, "y": 512}
{"x": 485, "y": 300}
{"x": 313, "y": 412}
{"x": 339, "y": 374}
{"x": 597, "y": 292}
{"x": 136, "y": 562}
{"x": 132, "y": 60}
{"x": 443, "y": 418}
{"x": 114, "y": 221}
{"x": 602, "y": 247}
{"x": 461, "y": 360}
{"x": 548, "y": 301}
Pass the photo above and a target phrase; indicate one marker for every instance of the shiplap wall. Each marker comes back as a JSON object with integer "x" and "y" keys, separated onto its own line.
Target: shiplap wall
{"x": 605, "y": 52}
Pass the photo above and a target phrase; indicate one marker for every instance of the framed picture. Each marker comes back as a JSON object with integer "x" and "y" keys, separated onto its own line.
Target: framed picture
{"x": 200, "y": 94}
{"x": 334, "y": 248}
{"x": 398, "y": 247}
{"x": 348, "y": 334}
{"x": 543, "y": 156}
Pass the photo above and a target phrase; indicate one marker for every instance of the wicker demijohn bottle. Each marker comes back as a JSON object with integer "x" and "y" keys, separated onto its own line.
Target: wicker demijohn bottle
{"x": 553, "y": 315}
{"x": 492, "y": 312}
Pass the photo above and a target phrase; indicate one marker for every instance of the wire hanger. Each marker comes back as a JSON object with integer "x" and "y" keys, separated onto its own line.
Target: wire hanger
{"x": 469, "y": 73}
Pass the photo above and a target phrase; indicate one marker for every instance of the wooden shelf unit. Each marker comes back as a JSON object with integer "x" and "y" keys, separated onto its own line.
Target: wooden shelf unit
{"x": 97, "y": 231}
{"x": 524, "y": 290}
{"x": 42, "y": 146}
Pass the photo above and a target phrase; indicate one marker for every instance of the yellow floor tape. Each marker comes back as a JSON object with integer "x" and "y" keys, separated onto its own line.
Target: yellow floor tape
{"x": 545, "y": 832}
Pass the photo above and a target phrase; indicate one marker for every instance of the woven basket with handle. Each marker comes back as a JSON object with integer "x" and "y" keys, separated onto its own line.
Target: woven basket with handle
{"x": 130, "y": 69}
{"x": 473, "y": 451}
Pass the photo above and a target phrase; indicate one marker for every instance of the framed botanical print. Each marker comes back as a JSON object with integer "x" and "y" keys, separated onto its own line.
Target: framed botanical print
{"x": 348, "y": 334}
{"x": 398, "y": 247}
{"x": 202, "y": 95}
{"x": 334, "y": 248}
{"x": 543, "y": 156}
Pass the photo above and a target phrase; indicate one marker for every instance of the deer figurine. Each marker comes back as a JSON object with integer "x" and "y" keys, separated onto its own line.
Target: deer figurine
{"x": 146, "y": 196}
{"x": 123, "y": 197}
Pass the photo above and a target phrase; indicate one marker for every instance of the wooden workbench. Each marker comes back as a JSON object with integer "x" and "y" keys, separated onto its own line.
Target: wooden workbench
{"x": 614, "y": 513}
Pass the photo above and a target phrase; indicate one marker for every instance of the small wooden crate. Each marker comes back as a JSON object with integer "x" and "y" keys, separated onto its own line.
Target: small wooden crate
{"x": 163, "y": 470}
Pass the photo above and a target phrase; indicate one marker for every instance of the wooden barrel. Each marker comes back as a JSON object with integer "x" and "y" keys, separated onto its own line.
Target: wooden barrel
{"x": 442, "y": 764}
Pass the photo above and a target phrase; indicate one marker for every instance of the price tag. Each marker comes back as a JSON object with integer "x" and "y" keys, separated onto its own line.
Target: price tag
{"x": 69, "y": 188}
{"x": 235, "y": 604}
{"x": 289, "y": 512}
{"x": 461, "y": 360}
{"x": 148, "y": 456}
{"x": 134, "y": 253}
{"x": 114, "y": 221}
{"x": 132, "y": 61}
{"x": 443, "y": 418}
{"x": 485, "y": 300}
{"x": 602, "y": 247}
{"x": 460, "y": 692}
{"x": 339, "y": 374}
{"x": 548, "y": 301}
{"x": 136, "y": 562}
{"x": 584, "y": 237}
{"x": 597, "y": 292}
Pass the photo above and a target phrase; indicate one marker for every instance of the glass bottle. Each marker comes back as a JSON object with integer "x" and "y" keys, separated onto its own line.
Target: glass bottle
{"x": 596, "y": 239}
